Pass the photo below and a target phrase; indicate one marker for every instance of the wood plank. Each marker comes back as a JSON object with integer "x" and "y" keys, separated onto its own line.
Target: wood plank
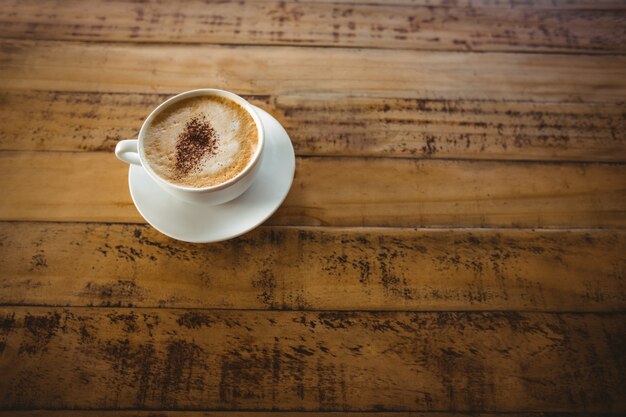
{"x": 381, "y": 25}
{"x": 317, "y": 361}
{"x": 75, "y": 66}
{"x": 507, "y": 4}
{"x": 314, "y": 269}
{"x": 168, "y": 413}
{"x": 340, "y": 126}
{"x": 67, "y": 179}
{"x": 343, "y": 192}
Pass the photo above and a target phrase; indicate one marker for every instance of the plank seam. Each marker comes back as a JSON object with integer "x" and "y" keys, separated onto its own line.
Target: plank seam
{"x": 364, "y": 228}
{"x": 4, "y": 89}
{"x": 370, "y": 157}
{"x": 618, "y": 312}
{"x": 294, "y": 45}
{"x": 341, "y": 229}
{"x": 619, "y": 103}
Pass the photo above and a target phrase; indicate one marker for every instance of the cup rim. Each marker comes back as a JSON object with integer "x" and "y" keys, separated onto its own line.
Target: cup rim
{"x": 196, "y": 93}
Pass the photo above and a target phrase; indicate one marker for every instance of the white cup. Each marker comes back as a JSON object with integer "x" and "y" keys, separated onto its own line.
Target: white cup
{"x": 131, "y": 151}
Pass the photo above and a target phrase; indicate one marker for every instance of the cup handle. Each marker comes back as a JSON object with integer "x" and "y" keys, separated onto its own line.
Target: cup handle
{"x": 126, "y": 150}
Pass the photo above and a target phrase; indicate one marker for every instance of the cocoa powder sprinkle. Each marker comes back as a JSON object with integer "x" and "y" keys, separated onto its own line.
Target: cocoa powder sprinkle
{"x": 197, "y": 140}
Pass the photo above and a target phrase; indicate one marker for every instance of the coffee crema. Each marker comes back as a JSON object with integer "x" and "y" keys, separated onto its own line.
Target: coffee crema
{"x": 200, "y": 141}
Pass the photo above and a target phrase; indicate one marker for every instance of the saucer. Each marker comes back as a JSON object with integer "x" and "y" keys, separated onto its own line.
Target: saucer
{"x": 201, "y": 223}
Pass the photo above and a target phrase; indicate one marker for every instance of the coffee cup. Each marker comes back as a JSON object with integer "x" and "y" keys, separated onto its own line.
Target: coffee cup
{"x": 132, "y": 151}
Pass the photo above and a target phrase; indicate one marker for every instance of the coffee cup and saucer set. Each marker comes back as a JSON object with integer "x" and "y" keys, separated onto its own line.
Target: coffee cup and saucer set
{"x": 217, "y": 212}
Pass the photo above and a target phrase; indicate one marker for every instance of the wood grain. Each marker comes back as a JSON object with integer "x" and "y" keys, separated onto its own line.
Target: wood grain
{"x": 507, "y": 4}
{"x": 407, "y": 113}
{"x": 314, "y": 268}
{"x": 76, "y": 66}
{"x": 520, "y": 28}
{"x": 340, "y": 126}
{"x": 69, "y": 185}
{"x": 318, "y": 361}
{"x": 388, "y": 192}
{"x": 168, "y": 413}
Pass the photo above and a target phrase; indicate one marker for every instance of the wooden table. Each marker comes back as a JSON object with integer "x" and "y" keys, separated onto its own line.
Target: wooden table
{"x": 453, "y": 242}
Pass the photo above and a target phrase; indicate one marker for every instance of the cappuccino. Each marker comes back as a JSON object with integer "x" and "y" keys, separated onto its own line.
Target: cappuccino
{"x": 200, "y": 141}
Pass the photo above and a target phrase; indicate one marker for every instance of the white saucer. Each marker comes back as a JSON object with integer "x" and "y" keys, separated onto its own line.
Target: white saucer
{"x": 204, "y": 223}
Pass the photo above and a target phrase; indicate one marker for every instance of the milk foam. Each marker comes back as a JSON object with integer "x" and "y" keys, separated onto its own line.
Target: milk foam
{"x": 236, "y": 139}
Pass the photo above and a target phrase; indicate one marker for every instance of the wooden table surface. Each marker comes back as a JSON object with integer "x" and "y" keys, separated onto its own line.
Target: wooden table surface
{"x": 454, "y": 241}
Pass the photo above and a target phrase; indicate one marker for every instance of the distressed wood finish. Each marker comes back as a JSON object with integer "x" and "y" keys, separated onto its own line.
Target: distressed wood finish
{"x": 381, "y": 25}
{"x": 77, "y": 66}
{"x": 394, "y": 192}
{"x": 353, "y": 361}
{"x": 453, "y": 244}
{"x": 616, "y": 5}
{"x": 75, "y": 186}
{"x": 340, "y": 126}
{"x": 314, "y": 268}
{"x": 166, "y": 413}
